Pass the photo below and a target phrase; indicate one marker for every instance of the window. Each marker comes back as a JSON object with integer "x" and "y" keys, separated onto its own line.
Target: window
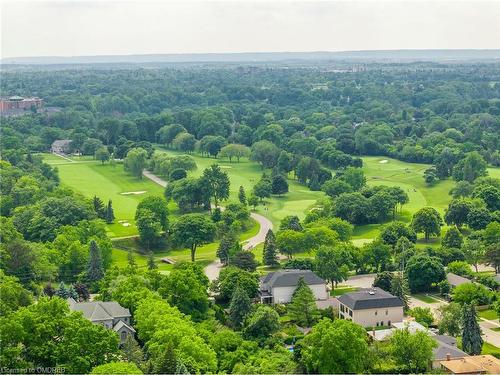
{"x": 350, "y": 312}
{"x": 376, "y": 312}
{"x": 377, "y": 324}
{"x": 389, "y": 323}
{"x": 124, "y": 335}
{"x": 382, "y": 323}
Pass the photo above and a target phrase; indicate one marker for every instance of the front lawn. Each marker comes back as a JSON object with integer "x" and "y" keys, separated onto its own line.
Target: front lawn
{"x": 488, "y": 314}
{"x": 425, "y": 298}
{"x": 490, "y": 349}
{"x": 339, "y": 291}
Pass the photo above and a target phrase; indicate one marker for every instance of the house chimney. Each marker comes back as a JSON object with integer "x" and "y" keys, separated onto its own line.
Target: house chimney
{"x": 448, "y": 357}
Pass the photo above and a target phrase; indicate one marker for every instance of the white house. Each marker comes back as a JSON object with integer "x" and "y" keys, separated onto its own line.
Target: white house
{"x": 372, "y": 307}
{"x": 109, "y": 314}
{"x": 278, "y": 287}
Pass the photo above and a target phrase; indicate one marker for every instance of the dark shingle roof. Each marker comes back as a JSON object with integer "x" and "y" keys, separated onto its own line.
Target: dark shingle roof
{"x": 447, "y": 345}
{"x": 291, "y": 278}
{"x": 97, "y": 310}
{"x": 371, "y": 298}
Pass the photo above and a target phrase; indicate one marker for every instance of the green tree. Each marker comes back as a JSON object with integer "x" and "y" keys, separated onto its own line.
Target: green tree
{"x": 193, "y": 230}
{"x": 393, "y": 231}
{"x": 472, "y": 342}
{"x": 184, "y": 142}
{"x": 262, "y": 323}
{"x": 428, "y": 221}
{"x": 234, "y": 151}
{"x": 228, "y": 242}
{"x": 302, "y": 308}
{"x": 470, "y": 167}
{"x": 239, "y": 307}
{"x": 285, "y": 162}
{"x": 270, "y": 252}
{"x": 291, "y": 222}
{"x": 478, "y": 218}
{"x": 262, "y": 189}
{"x": 116, "y": 368}
{"x": 132, "y": 352}
{"x": 422, "y": 315}
{"x": 12, "y": 295}
{"x": 244, "y": 259}
{"x": 217, "y": 182}
{"x": 158, "y": 206}
{"x": 253, "y": 201}
{"x": 354, "y": 177}
{"x": 458, "y": 211}
{"x": 472, "y": 293}
{"x": 110, "y": 214}
{"x": 335, "y": 348}
{"x": 279, "y": 185}
{"x": 149, "y": 227}
{"x": 230, "y": 277}
{"x": 265, "y": 153}
{"x": 474, "y": 252}
{"x": 290, "y": 242}
{"x": 450, "y": 319}
{"x": 411, "y": 351}
{"x": 98, "y": 206}
{"x": 95, "y": 270}
{"x": 332, "y": 264}
{"x": 135, "y": 161}
{"x": 335, "y": 187}
{"x": 242, "y": 196}
{"x": 400, "y": 289}
{"x": 452, "y": 239}
{"x": 423, "y": 271}
{"x": 102, "y": 154}
{"x": 151, "y": 261}
{"x": 383, "y": 280}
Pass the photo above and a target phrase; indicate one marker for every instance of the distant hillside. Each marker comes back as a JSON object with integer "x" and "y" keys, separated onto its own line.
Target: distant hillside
{"x": 390, "y": 55}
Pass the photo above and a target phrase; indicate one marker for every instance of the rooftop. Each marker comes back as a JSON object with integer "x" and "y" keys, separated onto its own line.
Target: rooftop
{"x": 370, "y": 298}
{"x": 286, "y": 278}
{"x": 99, "y": 310}
{"x": 474, "y": 364}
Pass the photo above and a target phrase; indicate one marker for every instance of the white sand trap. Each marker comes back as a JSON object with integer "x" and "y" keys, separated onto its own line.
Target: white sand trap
{"x": 126, "y": 224}
{"x": 384, "y": 161}
{"x": 133, "y": 193}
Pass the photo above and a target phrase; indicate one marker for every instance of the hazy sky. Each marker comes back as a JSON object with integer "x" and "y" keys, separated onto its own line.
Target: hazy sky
{"x": 71, "y": 27}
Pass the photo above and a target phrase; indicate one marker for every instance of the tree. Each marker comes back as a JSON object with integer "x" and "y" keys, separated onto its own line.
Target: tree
{"x": 400, "y": 289}
{"x": 430, "y": 176}
{"x": 177, "y": 174}
{"x": 290, "y": 242}
{"x": 110, "y": 214}
{"x": 149, "y": 227}
{"x": 335, "y": 348}
{"x": 193, "y": 230}
{"x": 428, "y": 221}
{"x": 239, "y": 307}
{"x": 132, "y": 352}
{"x": 217, "y": 182}
{"x": 135, "y": 161}
{"x": 490, "y": 195}
{"x": 471, "y": 293}
{"x": 262, "y": 189}
{"x": 235, "y": 151}
{"x": 167, "y": 134}
{"x": 95, "y": 270}
{"x": 422, "y": 315}
{"x": 279, "y": 185}
{"x": 462, "y": 189}
{"x": 335, "y": 187}
{"x": 291, "y": 222}
{"x": 423, "y": 271}
{"x": 450, "y": 319}
{"x": 478, "y": 218}
{"x": 284, "y": 163}
{"x": 459, "y": 267}
{"x": 253, "y": 201}
{"x": 470, "y": 167}
{"x": 158, "y": 206}
{"x": 302, "y": 308}
{"x": 12, "y": 295}
{"x": 151, "y": 261}
{"x": 393, "y": 231}
{"x": 452, "y": 239}
{"x": 102, "y": 154}
{"x": 265, "y": 153}
{"x": 98, "y": 206}
{"x": 383, "y": 280}
{"x": 458, "y": 211}
{"x": 242, "y": 196}
{"x": 212, "y": 145}
{"x": 62, "y": 291}
{"x": 472, "y": 342}
{"x": 229, "y": 278}
{"x": 332, "y": 264}
{"x": 228, "y": 242}
{"x": 474, "y": 252}
{"x": 116, "y": 368}
{"x": 184, "y": 142}
{"x": 354, "y": 177}
{"x": 82, "y": 291}
{"x": 411, "y": 351}
{"x": 262, "y": 323}
{"x": 244, "y": 259}
{"x": 270, "y": 252}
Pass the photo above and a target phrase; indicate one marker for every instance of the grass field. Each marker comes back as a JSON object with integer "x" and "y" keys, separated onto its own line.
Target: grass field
{"x": 90, "y": 178}
{"x": 488, "y": 314}
{"x": 342, "y": 290}
{"x": 425, "y": 298}
{"x": 247, "y": 173}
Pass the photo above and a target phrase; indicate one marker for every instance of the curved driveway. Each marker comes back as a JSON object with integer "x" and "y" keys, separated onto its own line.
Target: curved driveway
{"x": 213, "y": 269}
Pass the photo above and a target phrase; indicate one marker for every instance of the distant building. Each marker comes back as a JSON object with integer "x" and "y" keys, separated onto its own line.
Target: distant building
{"x": 19, "y": 103}
{"x": 446, "y": 350}
{"x": 60, "y": 146}
{"x": 372, "y": 307}
{"x": 477, "y": 364}
{"x": 278, "y": 287}
{"x": 109, "y": 314}
{"x": 456, "y": 280}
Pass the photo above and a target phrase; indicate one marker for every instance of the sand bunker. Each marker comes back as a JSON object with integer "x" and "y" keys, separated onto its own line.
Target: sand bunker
{"x": 384, "y": 161}
{"x": 133, "y": 193}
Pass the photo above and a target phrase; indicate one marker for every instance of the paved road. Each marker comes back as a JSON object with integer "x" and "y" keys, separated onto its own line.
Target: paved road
{"x": 213, "y": 269}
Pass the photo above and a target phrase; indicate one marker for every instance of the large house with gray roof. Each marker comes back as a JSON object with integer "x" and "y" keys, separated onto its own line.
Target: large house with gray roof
{"x": 372, "y": 307}
{"x": 109, "y": 314}
{"x": 278, "y": 287}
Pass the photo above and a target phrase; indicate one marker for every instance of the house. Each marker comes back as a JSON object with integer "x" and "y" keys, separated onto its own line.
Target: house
{"x": 371, "y": 307}
{"x": 456, "y": 280}
{"x": 385, "y": 334}
{"x": 446, "y": 350}
{"x": 477, "y": 364}
{"x": 60, "y": 146}
{"x": 109, "y": 314}
{"x": 278, "y": 287}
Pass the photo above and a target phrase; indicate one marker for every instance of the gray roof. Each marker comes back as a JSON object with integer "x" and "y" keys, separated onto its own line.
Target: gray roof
{"x": 370, "y": 298}
{"x": 121, "y": 324}
{"x": 61, "y": 142}
{"x": 286, "y": 278}
{"x": 447, "y": 345}
{"x": 456, "y": 280}
{"x": 97, "y": 310}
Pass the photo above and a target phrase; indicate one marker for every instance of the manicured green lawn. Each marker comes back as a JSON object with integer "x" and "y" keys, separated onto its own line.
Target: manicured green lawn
{"x": 339, "y": 291}
{"x": 496, "y": 329}
{"x": 247, "y": 173}
{"x": 424, "y": 298}
{"x": 90, "y": 178}
{"x": 488, "y": 314}
{"x": 491, "y": 349}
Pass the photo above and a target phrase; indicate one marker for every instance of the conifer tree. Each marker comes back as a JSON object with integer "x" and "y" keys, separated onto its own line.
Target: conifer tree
{"x": 98, "y": 207}
{"x": 131, "y": 260}
{"x": 226, "y": 246}
{"x": 167, "y": 361}
{"x": 110, "y": 215}
{"x": 302, "y": 309}
{"x": 72, "y": 293}
{"x": 472, "y": 342}
{"x": 132, "y": 352}
{"x": 270, "y": 249}
{"x": 62, "y": 291}
{"x": 151, "y": 261}
{"x": 242, "y": 196}
{"x": 95, "y": 270}
{"x": 239, "y": 308}
{"x": 399, "y": 288}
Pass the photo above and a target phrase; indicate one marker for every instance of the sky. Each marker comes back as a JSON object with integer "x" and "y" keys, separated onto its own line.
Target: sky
{"x": 78, "y": 28}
